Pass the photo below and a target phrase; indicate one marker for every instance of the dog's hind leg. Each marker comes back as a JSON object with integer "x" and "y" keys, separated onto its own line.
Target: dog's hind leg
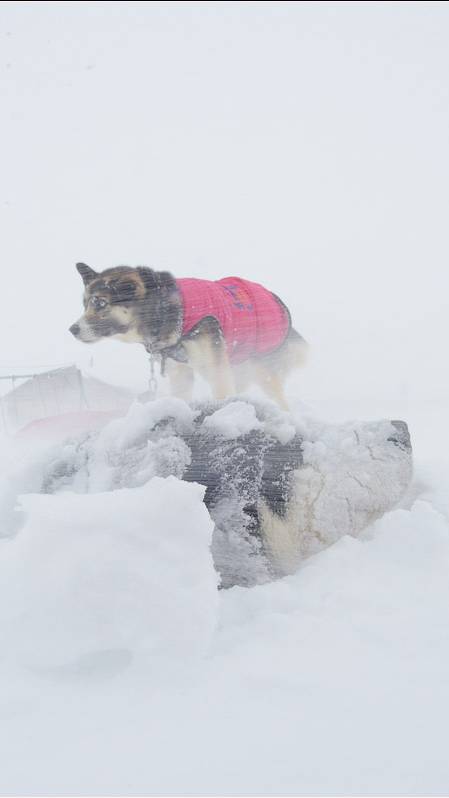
{"x": 262, "y": 374}
{"x": 222, "y": 380}
{"x": 273, "y": 385}
{"x": 181, "y": 379}
{"x": 271, "y": 371}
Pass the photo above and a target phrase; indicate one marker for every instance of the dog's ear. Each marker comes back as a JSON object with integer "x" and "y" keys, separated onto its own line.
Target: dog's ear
{"x": 148, "y": 277}
{"x": 86, "y": 272}
{"x": 165, "y": 280}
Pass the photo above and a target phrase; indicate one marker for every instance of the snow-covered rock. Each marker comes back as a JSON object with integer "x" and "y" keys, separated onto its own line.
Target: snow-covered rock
{"x": 277, "y": 489}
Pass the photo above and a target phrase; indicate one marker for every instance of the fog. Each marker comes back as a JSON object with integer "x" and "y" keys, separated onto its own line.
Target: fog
{"x": 302, "y": 145}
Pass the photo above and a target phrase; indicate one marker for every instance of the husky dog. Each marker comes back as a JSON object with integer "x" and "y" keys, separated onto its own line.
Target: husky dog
{"x": 232, "y": 332}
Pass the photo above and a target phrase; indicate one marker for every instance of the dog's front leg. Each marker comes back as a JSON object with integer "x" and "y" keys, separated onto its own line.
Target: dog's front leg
{"x": 222, "y": 380}
{"x": 181, "y": 378}
{"x": 206, "y": 351}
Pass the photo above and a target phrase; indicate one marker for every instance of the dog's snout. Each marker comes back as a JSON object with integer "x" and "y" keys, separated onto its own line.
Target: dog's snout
{"x": 75, "y": 330}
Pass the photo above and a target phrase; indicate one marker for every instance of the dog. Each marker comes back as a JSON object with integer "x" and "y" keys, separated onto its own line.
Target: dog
{"x": 232, "y": 332}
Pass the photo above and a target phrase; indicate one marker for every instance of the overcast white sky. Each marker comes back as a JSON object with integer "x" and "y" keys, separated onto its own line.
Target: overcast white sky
{"x": 302, "y": 145}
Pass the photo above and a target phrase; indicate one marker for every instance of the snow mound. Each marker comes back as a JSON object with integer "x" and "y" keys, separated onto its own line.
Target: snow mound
{"x": 128, "y": 571}
{"x": 277, "y": 489}
{"x": 233, "y": 420}
{"x": 108, "y": 573}
{"x": 352, "y": 473}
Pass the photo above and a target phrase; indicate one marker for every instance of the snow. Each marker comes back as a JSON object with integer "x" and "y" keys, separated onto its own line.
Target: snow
{"x": 123, "y": 433}
{"x": 108, "y": 572}
{"x": 350, "y": 477}
{"x": 326, "y": 480}
{"x": 233, "y": 420}
{"x": 149, "y": 680}
{"x": 307, "y": 150}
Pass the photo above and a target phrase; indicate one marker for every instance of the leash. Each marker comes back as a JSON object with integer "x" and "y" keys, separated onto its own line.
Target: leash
{"x": 152, "y": 391}
{"x": 176, "y": 352}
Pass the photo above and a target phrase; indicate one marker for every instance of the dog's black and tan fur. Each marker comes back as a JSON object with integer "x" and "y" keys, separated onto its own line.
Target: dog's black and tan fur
{"x": 139, "y": 305}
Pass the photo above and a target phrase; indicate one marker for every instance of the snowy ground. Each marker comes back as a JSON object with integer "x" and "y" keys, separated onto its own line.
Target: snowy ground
{"x": 304, "y": 146}
{"x": 333, "y": 680}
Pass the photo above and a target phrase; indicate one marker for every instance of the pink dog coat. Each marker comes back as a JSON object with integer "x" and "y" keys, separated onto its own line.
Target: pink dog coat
{"x": 253, "y": 320}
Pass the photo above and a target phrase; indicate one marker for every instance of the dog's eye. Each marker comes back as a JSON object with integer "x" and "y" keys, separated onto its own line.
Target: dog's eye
{"x": 97, "y": 302}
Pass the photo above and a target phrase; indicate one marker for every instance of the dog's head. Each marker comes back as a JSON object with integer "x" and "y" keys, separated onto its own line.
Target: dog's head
{"x": 112, "y": 301}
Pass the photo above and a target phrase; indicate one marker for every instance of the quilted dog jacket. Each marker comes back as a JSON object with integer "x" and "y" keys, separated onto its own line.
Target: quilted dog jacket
{"x": 253, "y": 320}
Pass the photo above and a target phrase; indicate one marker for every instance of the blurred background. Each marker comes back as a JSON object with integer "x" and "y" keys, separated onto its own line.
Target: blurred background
{"x": 302, "y": 145}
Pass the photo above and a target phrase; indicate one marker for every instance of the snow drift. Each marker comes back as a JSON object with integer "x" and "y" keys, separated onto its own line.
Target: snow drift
{"x": 277, "y": 490}
{"x": 256, "y": 691}
{"x": 116, "y": 573}
{"x": 113, "y": 550}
